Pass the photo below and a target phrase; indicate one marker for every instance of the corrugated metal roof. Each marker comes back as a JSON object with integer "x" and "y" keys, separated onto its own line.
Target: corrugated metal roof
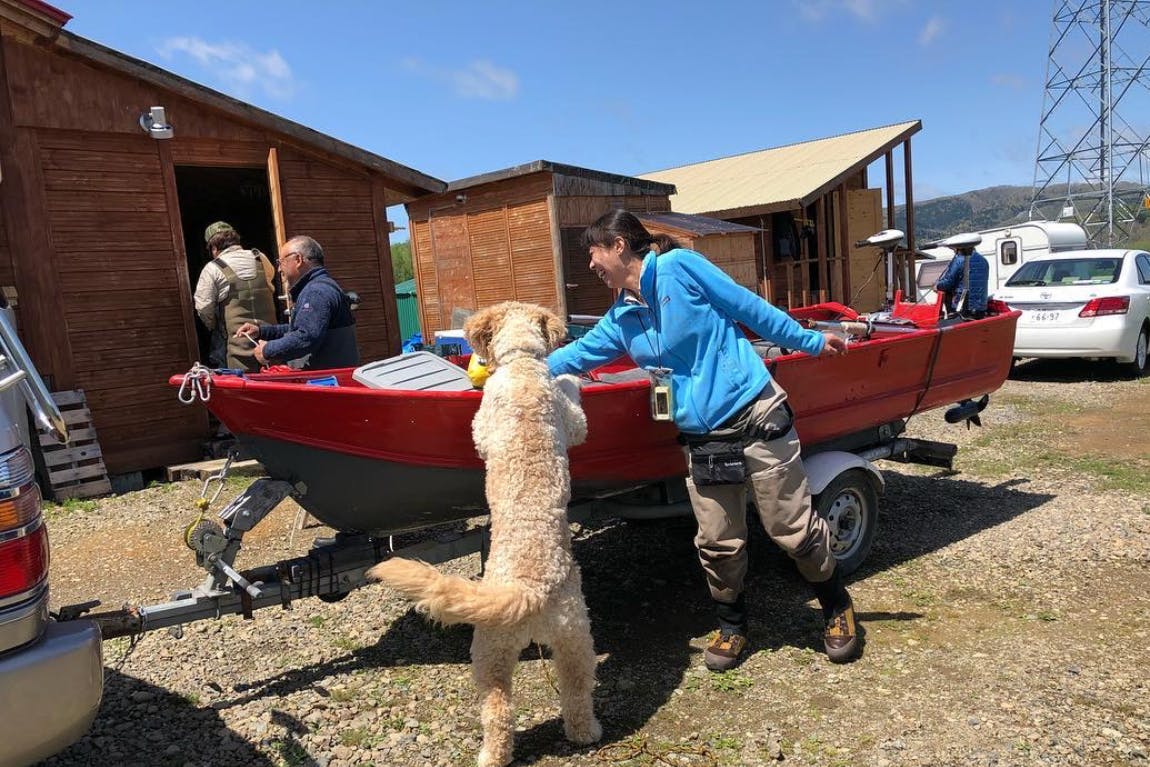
{"x": 700, "y": 226}
{"x": 778, "y": 178}
{"x": 406, "y": 287}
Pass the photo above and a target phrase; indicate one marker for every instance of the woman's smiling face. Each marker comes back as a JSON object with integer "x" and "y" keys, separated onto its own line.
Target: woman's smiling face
{"x": 610, "y": 263}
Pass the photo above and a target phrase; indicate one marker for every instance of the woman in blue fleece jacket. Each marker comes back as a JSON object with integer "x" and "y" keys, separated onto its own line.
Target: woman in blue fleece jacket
{"x": 676, "y": 316}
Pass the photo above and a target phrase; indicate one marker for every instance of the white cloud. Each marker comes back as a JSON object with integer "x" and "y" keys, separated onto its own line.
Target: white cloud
{"x": 238, "y": 67}
{"x": 932, "y": 30}
{"x": 866, "y": 10}
{"x": 480, "y": 79}
{"x": 1007, "y": 80}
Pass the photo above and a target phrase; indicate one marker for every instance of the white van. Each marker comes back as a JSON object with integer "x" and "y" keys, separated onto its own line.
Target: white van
{"x": 1006, "y": 248}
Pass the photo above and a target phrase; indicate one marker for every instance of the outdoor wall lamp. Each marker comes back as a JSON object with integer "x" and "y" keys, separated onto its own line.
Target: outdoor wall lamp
{"x": 155, "y": 123}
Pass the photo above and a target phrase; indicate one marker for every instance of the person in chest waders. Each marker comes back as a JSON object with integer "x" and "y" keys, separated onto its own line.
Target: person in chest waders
{"x": 676, "y": 316}
{"x": 235, "y": 288}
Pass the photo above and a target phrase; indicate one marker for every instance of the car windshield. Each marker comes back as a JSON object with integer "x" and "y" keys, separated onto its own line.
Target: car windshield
{"x": 1067, "y": 271}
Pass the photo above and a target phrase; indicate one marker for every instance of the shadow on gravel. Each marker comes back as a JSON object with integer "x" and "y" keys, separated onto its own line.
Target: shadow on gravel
{"x": 650, "y": 610}
{"x": 1067, "y": 371}
{"x": 918, "y": 515}
{"x": 134, "y": 727}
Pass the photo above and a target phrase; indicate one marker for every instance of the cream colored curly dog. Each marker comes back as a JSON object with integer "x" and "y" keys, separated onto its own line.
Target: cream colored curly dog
{"x": 531, "y": 589}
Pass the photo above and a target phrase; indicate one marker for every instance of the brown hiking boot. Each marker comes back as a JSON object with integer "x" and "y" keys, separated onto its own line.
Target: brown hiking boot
{"x": 725, "y": 651}
{"x": 841, "y": 635}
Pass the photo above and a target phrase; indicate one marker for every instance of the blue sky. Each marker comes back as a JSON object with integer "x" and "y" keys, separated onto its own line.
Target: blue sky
{"x": 456, "y": 89}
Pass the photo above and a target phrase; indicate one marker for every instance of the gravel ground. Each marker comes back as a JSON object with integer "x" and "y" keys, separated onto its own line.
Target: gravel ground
{"x": 1003, "y": 606}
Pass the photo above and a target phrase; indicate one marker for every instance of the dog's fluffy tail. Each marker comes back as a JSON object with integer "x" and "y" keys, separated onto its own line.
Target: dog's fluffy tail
{"x": 450, "y": 599}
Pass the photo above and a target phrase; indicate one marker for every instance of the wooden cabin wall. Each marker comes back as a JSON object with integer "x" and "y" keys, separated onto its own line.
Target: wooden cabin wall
{"x": 337, "y": 207}
{"x": 116, "y": 265}
{"x": 734, "y": 254}
{"x": 99, "y": 263}
{"x": 496, "y": 246}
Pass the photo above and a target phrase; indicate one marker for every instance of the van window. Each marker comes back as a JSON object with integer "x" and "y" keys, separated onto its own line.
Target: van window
{"x": 1008, "y": 253}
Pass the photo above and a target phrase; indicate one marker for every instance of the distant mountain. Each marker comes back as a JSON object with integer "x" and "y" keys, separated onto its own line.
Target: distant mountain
{"x": 967, "y": 212}
{"x": 984, "y": 209}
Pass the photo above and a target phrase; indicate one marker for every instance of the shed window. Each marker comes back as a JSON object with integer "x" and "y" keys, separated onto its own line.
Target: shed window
{"x": 1008, "y": 253}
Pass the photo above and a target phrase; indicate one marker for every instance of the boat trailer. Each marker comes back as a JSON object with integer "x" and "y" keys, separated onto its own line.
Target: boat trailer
{"x": 335, "y": 566}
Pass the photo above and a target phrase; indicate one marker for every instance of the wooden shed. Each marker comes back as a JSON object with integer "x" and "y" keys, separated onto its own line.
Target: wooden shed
{"x": 812, "y": 202}
{"x": 729, "y": 246}
{"x": 514, "y": 234}
{"x": 101, "y": 236}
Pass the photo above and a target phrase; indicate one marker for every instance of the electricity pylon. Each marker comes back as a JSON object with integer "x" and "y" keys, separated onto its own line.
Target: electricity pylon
{"x": 1091, "y": 163}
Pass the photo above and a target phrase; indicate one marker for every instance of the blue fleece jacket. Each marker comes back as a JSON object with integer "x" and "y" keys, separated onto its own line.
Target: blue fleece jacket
{"x": 322, "y": 325}
{"x": 688, "y": 326}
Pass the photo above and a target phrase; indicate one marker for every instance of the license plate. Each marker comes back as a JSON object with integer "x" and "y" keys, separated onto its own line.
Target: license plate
{"x": 1046, "y": 316}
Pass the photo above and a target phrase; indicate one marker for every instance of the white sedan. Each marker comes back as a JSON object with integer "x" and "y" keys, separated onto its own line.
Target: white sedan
{"x": 1083, "y": 303}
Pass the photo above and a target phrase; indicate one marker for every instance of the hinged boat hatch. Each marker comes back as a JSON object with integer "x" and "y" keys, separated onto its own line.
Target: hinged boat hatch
{"x": 420, "y": 371}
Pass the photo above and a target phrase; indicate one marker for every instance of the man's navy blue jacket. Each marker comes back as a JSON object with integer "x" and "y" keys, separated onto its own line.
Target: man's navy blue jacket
{"x": 322, "y": 326}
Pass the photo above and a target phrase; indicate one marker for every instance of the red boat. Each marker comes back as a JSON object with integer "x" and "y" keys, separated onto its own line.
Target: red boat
{"x": 386, "y": 460}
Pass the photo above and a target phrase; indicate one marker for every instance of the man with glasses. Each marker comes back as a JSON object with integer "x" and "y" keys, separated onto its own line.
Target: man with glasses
{"x": 321, "y": 331}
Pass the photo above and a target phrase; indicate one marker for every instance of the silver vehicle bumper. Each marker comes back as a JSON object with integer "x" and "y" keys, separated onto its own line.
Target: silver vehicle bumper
{"x": 49, "y": 692}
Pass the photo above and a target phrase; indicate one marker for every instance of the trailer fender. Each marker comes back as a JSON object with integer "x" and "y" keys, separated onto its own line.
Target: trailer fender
{"x": 822, "y": 468}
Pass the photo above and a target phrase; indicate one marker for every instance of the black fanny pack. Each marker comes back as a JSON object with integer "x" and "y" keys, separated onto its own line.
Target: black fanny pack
{"x": 718, "y": 461}
{"x": 717, "y": 458}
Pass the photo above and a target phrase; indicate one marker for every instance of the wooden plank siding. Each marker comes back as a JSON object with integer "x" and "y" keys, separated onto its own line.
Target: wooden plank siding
{"x": 513, "y": 239}
{"x": 122, "y": 309}
{"x": 467, "y": 261}
{"x": 337, "y": 207}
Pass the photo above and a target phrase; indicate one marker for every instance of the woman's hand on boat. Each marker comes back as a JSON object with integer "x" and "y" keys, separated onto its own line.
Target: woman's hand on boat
{"x": 832, "y": 345}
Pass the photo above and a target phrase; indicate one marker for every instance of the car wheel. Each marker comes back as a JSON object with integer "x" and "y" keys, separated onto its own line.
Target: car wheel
{"x": 849, "y": 504}
{"x": 1138, "y": 367}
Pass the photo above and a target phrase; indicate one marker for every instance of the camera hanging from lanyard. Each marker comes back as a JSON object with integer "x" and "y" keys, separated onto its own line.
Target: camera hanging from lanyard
{"x": 662, "y": 401}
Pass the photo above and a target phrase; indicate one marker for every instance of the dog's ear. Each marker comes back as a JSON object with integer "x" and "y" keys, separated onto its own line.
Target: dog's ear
{"x": 554, "y": 329}
{"x": 479, "y": 329}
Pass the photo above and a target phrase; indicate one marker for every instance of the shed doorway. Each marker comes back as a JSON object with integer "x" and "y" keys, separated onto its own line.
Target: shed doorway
{"x": 240, "y": 196}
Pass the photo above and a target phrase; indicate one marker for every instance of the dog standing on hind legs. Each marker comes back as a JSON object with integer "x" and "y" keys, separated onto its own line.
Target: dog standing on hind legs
{"x": 531, "y": 588}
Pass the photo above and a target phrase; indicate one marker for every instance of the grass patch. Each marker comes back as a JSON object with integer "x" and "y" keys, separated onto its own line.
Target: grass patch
{"x": 316, "y": 621}
{"x": 342, "y": 695}
{"x": 1031, "y": 447}
{"x": 731, "y": 681}
{"x": 56, "y": 510}
{"x": 290, "y": 753}
{"x": 346, "y": 643}
{"x": 354, "y": 737}
{"x": 726, "y": 743}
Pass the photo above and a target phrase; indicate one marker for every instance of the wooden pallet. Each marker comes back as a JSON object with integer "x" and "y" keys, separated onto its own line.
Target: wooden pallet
{"x": 75, "y": 470}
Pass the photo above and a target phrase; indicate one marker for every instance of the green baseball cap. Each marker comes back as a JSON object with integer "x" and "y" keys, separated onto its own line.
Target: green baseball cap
{"x": 216, "y": 228}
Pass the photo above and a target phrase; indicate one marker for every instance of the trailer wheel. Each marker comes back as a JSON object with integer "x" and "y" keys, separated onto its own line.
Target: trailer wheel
{"x": 849, "y": 504}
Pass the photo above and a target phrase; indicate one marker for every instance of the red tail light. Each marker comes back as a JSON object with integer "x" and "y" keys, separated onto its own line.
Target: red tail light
{"x": 1098, "y": 307}
{"x": 23, "y": 562}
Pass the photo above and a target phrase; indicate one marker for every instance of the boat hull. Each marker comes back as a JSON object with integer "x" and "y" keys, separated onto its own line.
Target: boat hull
{"x": 384, "y": 460}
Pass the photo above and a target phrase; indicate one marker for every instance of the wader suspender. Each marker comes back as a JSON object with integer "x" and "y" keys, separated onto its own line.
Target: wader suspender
{"x": 247, "y": 303}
